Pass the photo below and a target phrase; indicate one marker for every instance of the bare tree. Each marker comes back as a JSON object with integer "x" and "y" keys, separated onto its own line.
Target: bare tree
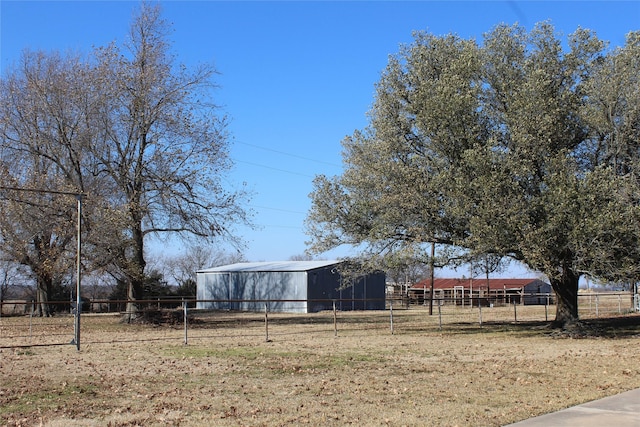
{"x": 486, "y": 264}
{"x": 182, "y": 268}
{"x": 162, "y": 145}
{"x": 11, "y": 278}
{"x": 131, "y": 130}
{"x": 43, "y": 125}
{"x": 301, "y": 257}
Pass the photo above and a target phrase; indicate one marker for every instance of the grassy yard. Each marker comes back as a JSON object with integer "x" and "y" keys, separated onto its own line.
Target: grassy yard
{"x": 229, "y": 374}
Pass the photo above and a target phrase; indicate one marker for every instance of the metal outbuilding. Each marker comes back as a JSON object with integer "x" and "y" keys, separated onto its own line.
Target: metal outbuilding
{"x": 288, "y": 286}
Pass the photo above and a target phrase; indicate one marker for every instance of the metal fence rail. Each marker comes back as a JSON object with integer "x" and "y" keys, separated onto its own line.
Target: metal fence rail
{"x": 186, "y": 323}
{"x": 590, "y": 304}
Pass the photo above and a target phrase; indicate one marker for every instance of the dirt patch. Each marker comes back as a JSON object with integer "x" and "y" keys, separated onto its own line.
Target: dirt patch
{"x": 229, "y": 375}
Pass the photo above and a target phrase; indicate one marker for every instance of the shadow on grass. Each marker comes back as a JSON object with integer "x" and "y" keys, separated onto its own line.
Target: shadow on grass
{"x": 611, "y": 327}
{"x": 608, "y": 327}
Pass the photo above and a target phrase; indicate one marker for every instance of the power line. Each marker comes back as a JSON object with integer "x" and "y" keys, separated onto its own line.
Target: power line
{"x": 293, "y": 227}
{"x": 284, "y": 153}
{"x": 277, "y": 209}
{"x": 35, "y": 190}
{"x": 276, "y": 169}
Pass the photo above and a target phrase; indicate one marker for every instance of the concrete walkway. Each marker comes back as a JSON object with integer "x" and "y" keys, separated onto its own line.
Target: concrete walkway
{"x": 622, "y": 410}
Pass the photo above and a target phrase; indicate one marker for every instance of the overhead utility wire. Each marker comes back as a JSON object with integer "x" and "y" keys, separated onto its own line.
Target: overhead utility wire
{"x": 293, "y": 227}
{"x": 278, "y": 209}
{"x": 289, "y": 154}
{"x": 276, "y": 169}
{"x": 35, "y": 190}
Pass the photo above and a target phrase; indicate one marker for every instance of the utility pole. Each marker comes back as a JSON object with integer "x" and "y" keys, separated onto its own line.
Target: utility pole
{"x": 76, "y": 338}
{"x": 431, "y": 267}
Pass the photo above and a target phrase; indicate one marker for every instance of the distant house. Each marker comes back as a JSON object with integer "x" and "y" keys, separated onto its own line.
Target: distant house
{"x": 288, "y": 286}
{"x": 495, "y": 291}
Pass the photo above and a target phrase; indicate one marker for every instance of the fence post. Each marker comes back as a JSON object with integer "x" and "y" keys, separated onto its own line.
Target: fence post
{"x": 440, "y": 314}
{"x": 266, "y": 322}
{"x": 515, "y": 312}
{"x": 480, "y": 311}
{"x": 335, "y": 320}
{"x": 546, "y": 309}
{"x": 546, "y": 313}
{"x": 186, "y": 322}
{"x": 391, "y": 315}
{"x": 619, "y": 304}
{"x": 597, "y": 311}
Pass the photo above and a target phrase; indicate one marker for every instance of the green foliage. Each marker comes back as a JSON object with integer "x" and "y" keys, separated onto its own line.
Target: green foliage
{"x": 511, "y": 147}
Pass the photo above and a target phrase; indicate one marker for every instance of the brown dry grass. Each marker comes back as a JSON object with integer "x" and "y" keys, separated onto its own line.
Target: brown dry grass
{"x": 228, "y": 375}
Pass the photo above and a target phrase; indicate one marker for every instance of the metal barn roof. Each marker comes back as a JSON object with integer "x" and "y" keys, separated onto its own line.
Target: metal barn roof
{"x": 270, "y": 266}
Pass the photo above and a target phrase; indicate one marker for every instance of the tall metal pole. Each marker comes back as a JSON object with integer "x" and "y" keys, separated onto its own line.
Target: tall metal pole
{"x": 432, "y": 265}
{"x": 78, "y": 278}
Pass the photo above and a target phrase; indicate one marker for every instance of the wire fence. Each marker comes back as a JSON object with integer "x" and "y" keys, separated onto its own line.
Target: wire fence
{"x": 184, "y": 323}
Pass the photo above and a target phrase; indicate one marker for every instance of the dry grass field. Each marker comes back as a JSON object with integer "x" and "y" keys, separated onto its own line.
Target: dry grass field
{"x": 229, "y": 374}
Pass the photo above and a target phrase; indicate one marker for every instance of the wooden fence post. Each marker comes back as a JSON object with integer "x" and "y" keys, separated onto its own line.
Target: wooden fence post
{"x": 546, "y": 310}
{"x": 619, "y": 304}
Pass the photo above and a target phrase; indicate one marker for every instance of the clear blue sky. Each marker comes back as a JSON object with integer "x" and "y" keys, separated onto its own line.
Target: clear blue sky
{"x": 296, "y": 77}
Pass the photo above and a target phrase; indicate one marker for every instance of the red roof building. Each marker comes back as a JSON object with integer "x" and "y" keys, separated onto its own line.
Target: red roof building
{"x": 498, "y": 290}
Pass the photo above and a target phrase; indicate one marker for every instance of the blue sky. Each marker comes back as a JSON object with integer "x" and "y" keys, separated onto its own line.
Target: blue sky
{"x": 295, "y": 77}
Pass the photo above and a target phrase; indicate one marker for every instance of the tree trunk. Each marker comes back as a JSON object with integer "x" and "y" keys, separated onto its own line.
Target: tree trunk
{"x": 43, "y": 295}
{"x": 566, "y": 290}
{"x": 136, "y": 280}
{"x": 131, "y": 308}
{"x": 134, "y": 290}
